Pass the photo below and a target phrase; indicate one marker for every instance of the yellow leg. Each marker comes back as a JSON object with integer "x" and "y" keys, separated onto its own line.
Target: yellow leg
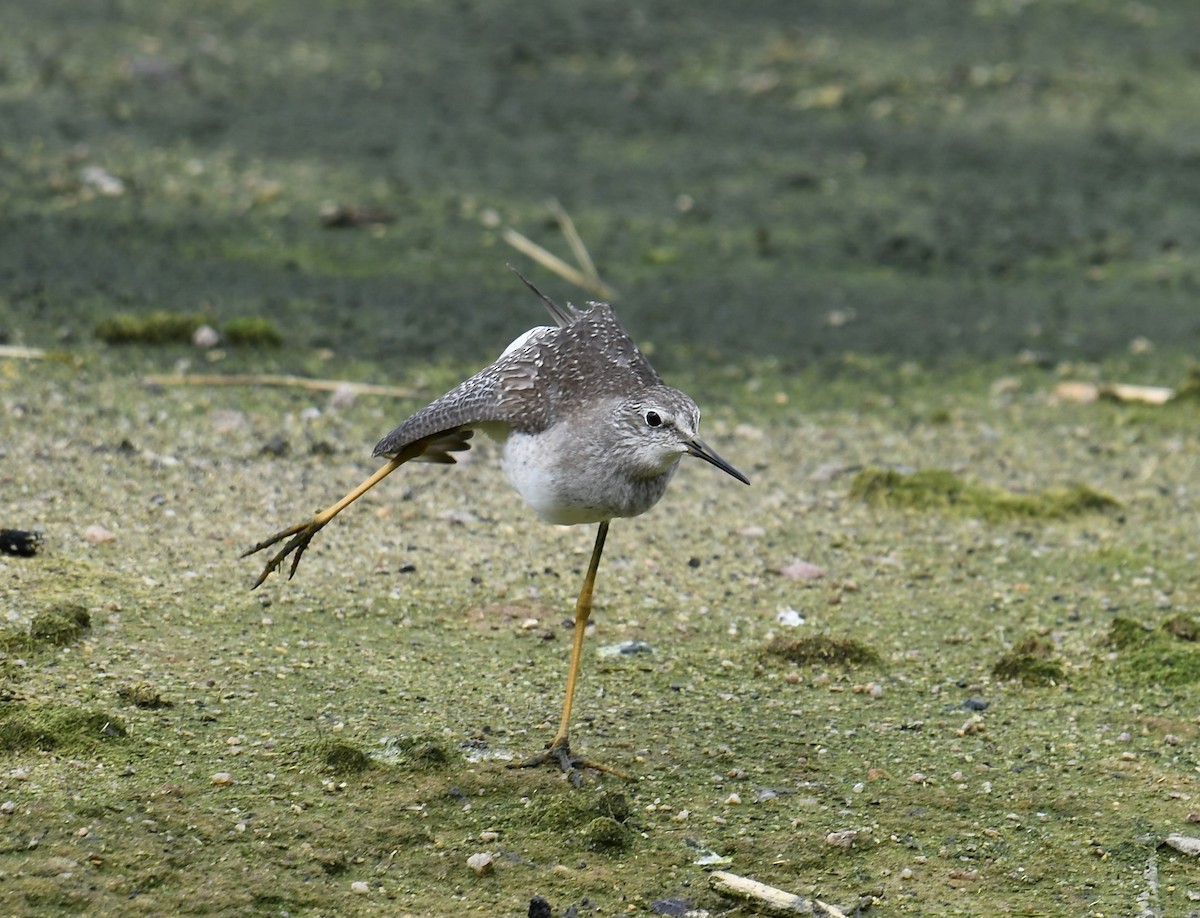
{"x": 559, "y": 748}
{"x": 302, "y": 533}
{"x": 583, "y": 611}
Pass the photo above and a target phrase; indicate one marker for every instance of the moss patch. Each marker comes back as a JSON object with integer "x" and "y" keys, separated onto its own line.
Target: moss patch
{"x": 342, "y": 758}
{"x": 58, "y": 728}
{"x": 60, "y": 626}
{"x": 158, "y": 327}
{"x": 142, "y": 695}
{"x": 1168, "y": 655}
{"x": 597, "y": 816}
{"x": 941, "y": 490}
{"x": 1031, "y": 661}
{"x": 1183, "y": 627}
{"x": 822, "y": 649}
{"x": 415, "y": 753}
{"x": 55, "y": 626}
{"x": 252, "y": 332}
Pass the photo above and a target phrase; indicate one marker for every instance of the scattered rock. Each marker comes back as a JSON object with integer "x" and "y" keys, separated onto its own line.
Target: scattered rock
{"x": 624, "y": 649}
{"x": 789, "y": 617}
{"x": 206, "y": 337}
{"x": 98, "y": 535}
{"x": 800, "y": 570}
{"x": 482, "y": 863}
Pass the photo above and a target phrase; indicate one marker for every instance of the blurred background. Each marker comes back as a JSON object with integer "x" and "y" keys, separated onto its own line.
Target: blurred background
{"x": 794, "y": 182}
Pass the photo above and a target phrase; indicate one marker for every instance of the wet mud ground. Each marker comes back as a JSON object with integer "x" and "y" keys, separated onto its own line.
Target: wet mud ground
{"x": 865, "y": 238}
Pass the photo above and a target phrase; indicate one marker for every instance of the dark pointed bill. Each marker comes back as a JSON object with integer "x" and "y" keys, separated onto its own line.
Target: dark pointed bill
{"x": 701, "y": 450}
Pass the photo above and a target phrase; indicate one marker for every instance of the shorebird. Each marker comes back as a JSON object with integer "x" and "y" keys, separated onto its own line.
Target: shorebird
{"x": 589, "y": 433}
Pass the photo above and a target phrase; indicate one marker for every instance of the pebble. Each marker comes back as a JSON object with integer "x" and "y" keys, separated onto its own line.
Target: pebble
{"x": 222, "y": 779}
{"x": 801, "y": 570}
{"x": 482, "y": 863}
{"x": 789, "y": 617}
{"x": 841, "y": 839}
{"x": 359, "y": 888}
{"x": 7, "y": 808}
{"x": 343, "y": 396}
{"x": 206, "y": 337}
{"x": 102, "y": 181}
{"x": 624, "y": 649}
{"x": 98, "y": 535}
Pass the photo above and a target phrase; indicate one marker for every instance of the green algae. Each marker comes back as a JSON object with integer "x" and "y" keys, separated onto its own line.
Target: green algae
{"x": 251, "y": 332}
{"x": 155, "y": 328}
{"x": 342, "y": 758}
{"x": 943, "y": 491}
{"x": 57, "y": 728}
{"x": 142, "y": 694}
{"x": 822, "y": 649}
{"x": 1032, "y": 660}
{"x": 1166, "y": 655}
{"x": 54, "y": 626}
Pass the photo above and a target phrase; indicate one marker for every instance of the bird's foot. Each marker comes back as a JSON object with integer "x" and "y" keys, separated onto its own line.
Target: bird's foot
{"x": 572, "y": 765}
{"x": 298, "y": 537}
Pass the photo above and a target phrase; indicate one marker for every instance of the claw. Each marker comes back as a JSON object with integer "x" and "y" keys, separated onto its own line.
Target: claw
{"x": 572, "y": 765}
{"x": 301, "y": 534}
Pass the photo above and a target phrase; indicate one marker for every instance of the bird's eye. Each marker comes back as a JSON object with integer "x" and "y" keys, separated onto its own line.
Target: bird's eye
{"x": 653, "y": 419}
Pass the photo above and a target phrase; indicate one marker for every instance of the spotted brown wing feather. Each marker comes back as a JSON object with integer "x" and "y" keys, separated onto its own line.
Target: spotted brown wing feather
{"x": 531, "y": 387}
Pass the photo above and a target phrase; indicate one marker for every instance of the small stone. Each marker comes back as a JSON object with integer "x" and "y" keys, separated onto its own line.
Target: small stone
{"x": 489, "y": 835}
{"x": 359, "y": 888}
{"x": 482, "y": 863}
{"x": 971, "y": 726}
{"x": 102, "y": 181}
{"x": 801, "y": 570}
{"x": 625, "y": 649}
{"x": 222, "y": 779}
{"x": 7, "y": 808}
{"x": 343, "y": 396}
{"x": 843, "y": 838}
{"x": 789, "y": 617}
{"x": 206, "y": 337}
{"x": 1171, "y": 739}
{"x": 733, "y": 798}
{"x": 98, "y": 535}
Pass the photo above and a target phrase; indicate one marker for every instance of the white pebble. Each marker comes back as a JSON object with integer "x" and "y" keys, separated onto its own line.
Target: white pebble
{"x": 98, "y": 535}
{"x": 222, "y": 778}
{"x": 359, "y": 888}
{"x": 482, "y": 863}
{"x": 8, "y": 808}
{"x": 205, "y": 337}
{"x": 842, "y": 839}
